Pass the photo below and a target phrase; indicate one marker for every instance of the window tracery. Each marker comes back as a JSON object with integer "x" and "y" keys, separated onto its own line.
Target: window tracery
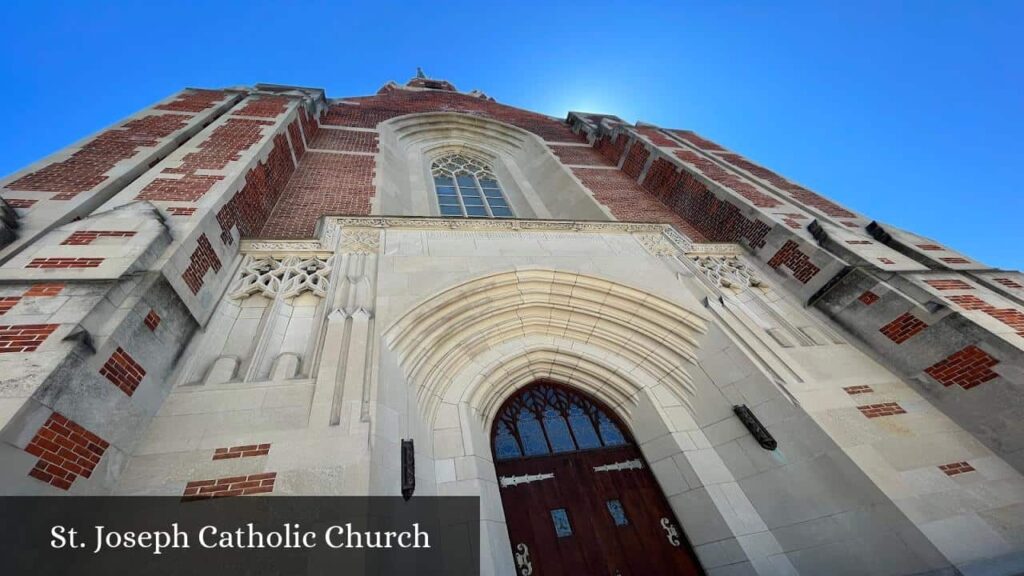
{"x": 466, "y": 186}
{"x": 547, "y": 419}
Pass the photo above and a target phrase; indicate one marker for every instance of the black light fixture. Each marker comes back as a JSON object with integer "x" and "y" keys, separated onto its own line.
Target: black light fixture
{"x": 408, "y": 469}
{"x": 757, "y": 430}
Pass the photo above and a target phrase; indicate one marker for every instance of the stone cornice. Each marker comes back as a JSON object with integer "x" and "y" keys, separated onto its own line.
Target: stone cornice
{"x": 330, "y": 227}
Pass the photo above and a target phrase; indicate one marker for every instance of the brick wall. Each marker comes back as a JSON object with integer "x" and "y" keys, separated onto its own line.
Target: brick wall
{"x": 61, "y": 263}
{"x": 152, "y": 320}
{"x": 949, "y": 284}
{"x": 224, "y": 145}
{"x": 628, "y": 201}
{"x": 85, "y": 237}
{"x": 1010, "y": 316}
{"x": 368, "y": 111}
{"x": 246, "y": 451}
{"x": 230, "y": 486}
{"x": 194, "y": 101}
{"x": 324, "y": 183}
{"x": 250, "y": 207}
{"x": 790, "y": 256}
{"x": 123, "y": 371}
{"x": 24, "y": 337}
{"x": 795, "y": 191}
{"x": 966, "y": 368}
{"x": 345, "y": 141}
{"x": 65, "y": 451}
{"x": 903, "y": 328}
{"x": 203, "y": 259}
{"x": 725, "y": 178}
{"x": 263, "y": 107}
{"x": 88, "y": 166}
{"x": 879, "y": 410}
{"x": 635, "y": 159}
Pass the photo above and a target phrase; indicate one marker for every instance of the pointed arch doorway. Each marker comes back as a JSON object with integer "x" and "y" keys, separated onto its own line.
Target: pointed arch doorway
{"x": 578, "y": 497}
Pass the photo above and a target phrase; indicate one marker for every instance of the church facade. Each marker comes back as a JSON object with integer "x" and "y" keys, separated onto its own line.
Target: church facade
{"x": 645, "y": 353}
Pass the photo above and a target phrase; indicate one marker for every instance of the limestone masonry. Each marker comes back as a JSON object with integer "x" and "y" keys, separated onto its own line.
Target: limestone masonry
{"x": 261, "y": 290}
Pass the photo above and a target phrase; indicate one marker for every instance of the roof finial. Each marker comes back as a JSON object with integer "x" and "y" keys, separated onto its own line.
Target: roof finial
{"x": 419, "y": 73}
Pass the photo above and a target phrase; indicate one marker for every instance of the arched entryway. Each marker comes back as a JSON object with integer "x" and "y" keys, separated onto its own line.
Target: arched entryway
{"x": 578, "y": 497}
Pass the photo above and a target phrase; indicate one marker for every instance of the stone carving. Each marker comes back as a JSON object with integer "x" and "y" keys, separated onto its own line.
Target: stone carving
{"x": 285, "y": 277}
{"x": 359, "y": 242}
{"x": 727, "y": 272}
{"x": 282, "y": 246}
{"x": 657, "y": 244}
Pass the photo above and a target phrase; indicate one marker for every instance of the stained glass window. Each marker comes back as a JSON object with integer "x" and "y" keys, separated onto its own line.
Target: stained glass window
{"x": 617, "y": 512}
{"x": 545, "y": 418}
{"x": 560, "y": 518}
{"x": 466, "y": 186}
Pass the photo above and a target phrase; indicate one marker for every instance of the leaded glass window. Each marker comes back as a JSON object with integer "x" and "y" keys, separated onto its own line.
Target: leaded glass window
{"x": 547, "y": 419}
{"x": 466, "y": 186}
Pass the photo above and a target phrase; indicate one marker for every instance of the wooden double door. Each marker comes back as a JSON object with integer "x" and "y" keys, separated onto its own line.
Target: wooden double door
{"x": 579, "y": 499}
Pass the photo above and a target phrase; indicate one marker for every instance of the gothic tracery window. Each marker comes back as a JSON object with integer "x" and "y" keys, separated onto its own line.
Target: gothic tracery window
{"x": 467, "y": 186}
{"x": 549, "y": 419}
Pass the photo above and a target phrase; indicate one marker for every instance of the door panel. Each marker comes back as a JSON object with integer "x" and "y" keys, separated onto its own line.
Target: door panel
{"x": 581, "y": 483}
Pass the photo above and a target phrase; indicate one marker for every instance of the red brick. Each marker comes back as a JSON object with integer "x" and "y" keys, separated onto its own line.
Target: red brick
{"x": 123, "y": 371}
{"x": 696, "y": 140}
{"x": 324, "y": 183}
{"x": 657, "y": 138}
{"x": 230, "y": 486}
{"x": 60, "y": 467}
{"x": 727, "y": 179}
{"x": 242, "y": 452}
{"x": 854, "y": 390}
{"x": 85, "y": 237}
{"x": 956, "y": 468}
{"x": 949, "y": 284}
{"x": 24, "y": 337}
{"x": 50, "y": 263}
{"x": 152, "y": 320}
{"x": 368, "y": 111}
{"x": 903, "y": 328}
{"x": 1010, "y": 316}
{"x": 194, "y": 101}
{"x": 8, "y": 302}
{"x": 635, "y": 159}
{"x": 223, "y": 146}
{"x": 249, "y": 208}
{"x": 967, "y": 368}
{"x": 345, "y": 141}
{"x": 45, "y": 289}
{"x": 795, "y": 191}
{"x": 181, "y": 210}
{"x": 263, "y": 107}
{"x": 88, "y": 166}
{"x": 203, "y": 259}
{"x": 930, "y": 247}
{"x": 879, "y": 410}
{"x": 790, "y": 256}
{"x": 581, "y": 156}
{"x": 20, "y": 203}
{"x": 1010, "y": 283}
{"x": 955, "y": 260}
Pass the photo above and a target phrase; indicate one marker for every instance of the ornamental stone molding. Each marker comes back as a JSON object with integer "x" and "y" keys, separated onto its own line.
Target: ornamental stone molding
{"x": 727, "y": 272}
{"x": 285, "y": 277}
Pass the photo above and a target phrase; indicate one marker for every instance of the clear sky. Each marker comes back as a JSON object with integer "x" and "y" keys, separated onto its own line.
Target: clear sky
{"x": 911, "y": 112}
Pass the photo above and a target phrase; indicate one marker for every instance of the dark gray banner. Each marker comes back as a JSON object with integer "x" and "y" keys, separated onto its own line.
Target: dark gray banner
{"x": 227, "y": 536}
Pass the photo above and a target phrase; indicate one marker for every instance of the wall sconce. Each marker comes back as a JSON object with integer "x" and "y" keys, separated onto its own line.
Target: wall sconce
{"x": 759, "y": 432}
{"x": 408, "y": 469}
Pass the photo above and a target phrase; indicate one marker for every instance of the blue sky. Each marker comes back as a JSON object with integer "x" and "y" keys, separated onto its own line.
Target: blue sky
{"x": 911, "y": 112}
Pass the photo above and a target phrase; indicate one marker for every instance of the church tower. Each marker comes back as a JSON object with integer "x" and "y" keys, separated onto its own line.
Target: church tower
{"x": 643, "y": 352}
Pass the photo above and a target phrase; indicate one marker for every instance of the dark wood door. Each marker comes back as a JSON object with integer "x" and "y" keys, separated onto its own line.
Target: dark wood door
{"x": 579, "y": 499}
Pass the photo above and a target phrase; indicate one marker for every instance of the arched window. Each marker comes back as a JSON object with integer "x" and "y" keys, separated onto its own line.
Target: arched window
{"x": 467, "y": 186}
{"x": 546, "y": 419}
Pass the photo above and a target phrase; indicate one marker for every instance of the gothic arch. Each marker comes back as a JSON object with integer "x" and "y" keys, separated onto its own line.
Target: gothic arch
{"x": 479, "y": 341}
{"x": 538, "y": 185}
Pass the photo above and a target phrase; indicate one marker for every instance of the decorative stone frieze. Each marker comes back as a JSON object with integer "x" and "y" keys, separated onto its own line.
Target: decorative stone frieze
{"x": 285, "y": 277}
